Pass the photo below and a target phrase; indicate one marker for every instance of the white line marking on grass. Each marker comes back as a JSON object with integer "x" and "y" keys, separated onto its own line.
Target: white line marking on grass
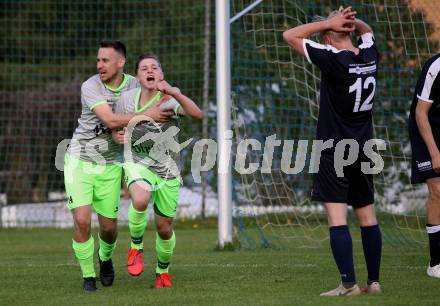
{"x": 207, "y": 265}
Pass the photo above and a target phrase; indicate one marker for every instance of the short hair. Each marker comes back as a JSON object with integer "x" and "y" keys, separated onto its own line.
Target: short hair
{"x": 117, "y": 45}
{"x": 322, "y": 34}
{"x": 145, "y": 56}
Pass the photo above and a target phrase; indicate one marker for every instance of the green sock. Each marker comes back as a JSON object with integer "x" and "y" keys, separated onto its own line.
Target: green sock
{"x": 137, "y": 222}
{"x": 106, "y": 249}
{"x": 164, "y": 251}
{"x": 84, "y": 254}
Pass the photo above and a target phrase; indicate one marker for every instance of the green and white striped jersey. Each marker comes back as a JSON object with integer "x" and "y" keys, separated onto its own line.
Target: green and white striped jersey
{"x": 154, "y": 145}
{"x": 92, "y": 139}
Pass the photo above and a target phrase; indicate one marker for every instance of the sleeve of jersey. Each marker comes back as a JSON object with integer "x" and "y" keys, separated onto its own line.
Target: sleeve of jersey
{"x": 317, "y": 54}
{"x": 426, "y": 93}
{"x": 367, "y": 41}
{"x": 172, "y": 104}
{"x": 91, "y": 97}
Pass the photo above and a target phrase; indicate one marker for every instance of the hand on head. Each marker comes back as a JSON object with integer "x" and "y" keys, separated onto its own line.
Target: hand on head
{"x": 342, "y": 20}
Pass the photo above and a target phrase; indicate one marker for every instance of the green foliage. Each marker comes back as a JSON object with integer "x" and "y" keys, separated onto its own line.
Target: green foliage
{"x": 48, "y": 50}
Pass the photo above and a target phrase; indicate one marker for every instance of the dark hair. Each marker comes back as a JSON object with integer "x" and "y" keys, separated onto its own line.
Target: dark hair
{"x": 145, "y": 56}
{"x": 117, "y": 45}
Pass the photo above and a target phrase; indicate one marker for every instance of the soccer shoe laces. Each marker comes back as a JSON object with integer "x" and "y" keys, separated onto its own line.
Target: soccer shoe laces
{"x": 163, "y": 280}
{"x": 132, "y": 256}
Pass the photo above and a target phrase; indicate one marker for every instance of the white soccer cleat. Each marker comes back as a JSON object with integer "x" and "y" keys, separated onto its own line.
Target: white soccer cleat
{"x": 373, "y": 288}
{"x": 341, "y": 291}
{"x": 433, "y": 271}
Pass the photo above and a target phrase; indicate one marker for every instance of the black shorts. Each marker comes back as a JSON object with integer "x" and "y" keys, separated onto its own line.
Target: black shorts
{"x": 355, "y": 188}
{"x": 421, "y": 164}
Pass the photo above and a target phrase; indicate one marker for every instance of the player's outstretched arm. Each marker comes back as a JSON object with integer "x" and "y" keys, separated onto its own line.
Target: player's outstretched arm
{"x": 361, "y": 27}
{"x": 114, "y": 121}
{"x": 342, "y": 21}
{"x": 425, "y": 130}
{"x": 188, "y": 106}
{"x": 110, "y": 119}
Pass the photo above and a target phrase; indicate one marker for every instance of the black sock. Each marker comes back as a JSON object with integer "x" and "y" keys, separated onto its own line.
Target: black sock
{"x": 342, "y": 249}
{"x": 372, "y": 244}
{"x": 137, "y": 240}
{"x": 434, "y": 243}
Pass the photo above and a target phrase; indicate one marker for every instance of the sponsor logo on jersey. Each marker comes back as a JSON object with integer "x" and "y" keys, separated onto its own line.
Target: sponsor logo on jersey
{"x": 424, "y": 166}
{"x": 359, "y": 69}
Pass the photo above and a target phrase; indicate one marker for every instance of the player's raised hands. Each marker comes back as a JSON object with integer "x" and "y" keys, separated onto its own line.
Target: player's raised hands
{"x": 167, "y": 89}
{"x": 347, "y": 9}
{"x": 342, "y": 20}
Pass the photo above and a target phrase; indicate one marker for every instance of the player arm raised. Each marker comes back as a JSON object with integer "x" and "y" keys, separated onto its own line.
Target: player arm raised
{"x": 342, "y": 21}
{"x": 361, "y": 27}
{"x": 425, "y": 130}
{"x": 188, "y": 107}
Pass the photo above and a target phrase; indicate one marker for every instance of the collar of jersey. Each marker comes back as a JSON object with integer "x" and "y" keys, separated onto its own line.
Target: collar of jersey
{"x": 336, "y": 50}
{"x": 137, "y": 100}
{"x": 125, "y": 78}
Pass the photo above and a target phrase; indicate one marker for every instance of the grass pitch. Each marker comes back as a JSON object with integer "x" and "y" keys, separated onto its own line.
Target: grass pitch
{"x": 37, "y": 267}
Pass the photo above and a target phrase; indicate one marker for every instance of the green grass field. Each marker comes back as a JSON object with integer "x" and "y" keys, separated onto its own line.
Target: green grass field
{"x": 37, "y": 267}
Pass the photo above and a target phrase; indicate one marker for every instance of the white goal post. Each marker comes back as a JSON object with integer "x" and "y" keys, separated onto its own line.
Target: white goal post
{"x": 224, "y": 133}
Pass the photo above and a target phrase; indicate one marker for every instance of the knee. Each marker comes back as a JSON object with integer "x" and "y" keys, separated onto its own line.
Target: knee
{"x": 336, "y": 220}
{"x": 336, "y": 214}
{"x": 367, "y": 220}
{"x": 165, "y": 231}
{"x": 82, "y": 224}
{"x": 434, "y": 192}
{"x": 140, "y": 201}
{"x": 108, "y": 228}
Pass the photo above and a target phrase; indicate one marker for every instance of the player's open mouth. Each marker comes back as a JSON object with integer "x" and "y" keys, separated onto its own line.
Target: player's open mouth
{"x": 150, "y": 79}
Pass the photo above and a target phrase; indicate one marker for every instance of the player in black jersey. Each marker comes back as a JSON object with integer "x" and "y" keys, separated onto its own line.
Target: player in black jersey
{"x": 424, "y": 134}
{"x": 348, "y": 83}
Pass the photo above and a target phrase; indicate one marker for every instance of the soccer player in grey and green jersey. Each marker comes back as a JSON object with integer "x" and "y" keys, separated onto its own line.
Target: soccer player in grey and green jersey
{"x": 92, "y": 174}
{"x": 152, "y": 170}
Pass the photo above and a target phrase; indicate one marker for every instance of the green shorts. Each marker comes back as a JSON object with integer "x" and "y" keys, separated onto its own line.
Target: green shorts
{"x": 164, "y": 193}
{"x": 91, "y": 184}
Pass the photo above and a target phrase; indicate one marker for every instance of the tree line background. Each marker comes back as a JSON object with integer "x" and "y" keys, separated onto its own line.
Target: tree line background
{"x": 48, "y": 48}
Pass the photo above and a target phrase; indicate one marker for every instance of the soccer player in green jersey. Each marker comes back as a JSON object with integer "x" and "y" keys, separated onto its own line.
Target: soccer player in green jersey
{"x": 92, "y": 173}
{"x": 152, "y": 176}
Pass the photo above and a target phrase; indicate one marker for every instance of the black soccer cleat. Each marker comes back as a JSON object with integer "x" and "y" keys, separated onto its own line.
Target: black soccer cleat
{"x": 106, "y": 272}
{"x": 89, "y": 284}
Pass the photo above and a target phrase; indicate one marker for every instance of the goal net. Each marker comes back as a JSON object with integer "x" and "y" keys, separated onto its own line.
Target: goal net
{"x": 276, "y": 92}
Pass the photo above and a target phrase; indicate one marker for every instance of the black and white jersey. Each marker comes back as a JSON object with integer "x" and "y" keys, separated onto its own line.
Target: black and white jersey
{"x": 348, "y": 85}
{"x": 428, "y": 89}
